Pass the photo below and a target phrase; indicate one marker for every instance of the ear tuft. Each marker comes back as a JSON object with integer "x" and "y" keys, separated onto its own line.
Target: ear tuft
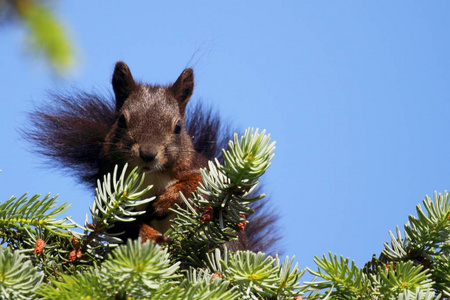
{"x": 122, "y": 82}
{"x": 183, "y": 87}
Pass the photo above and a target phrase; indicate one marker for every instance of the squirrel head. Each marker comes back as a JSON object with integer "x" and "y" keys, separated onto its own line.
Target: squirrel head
{"x": 150, "y": 127}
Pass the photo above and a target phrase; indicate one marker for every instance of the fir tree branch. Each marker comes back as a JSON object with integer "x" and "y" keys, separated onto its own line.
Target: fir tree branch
{"x": 115, "y": 200}
{"x": 415, "y": 266}
{"x": 86, "y": 285}
{"x": 441, "y": 274}
{"x": 199, "y": 284}
{"x": 132, "y": 271}
{"x": 340, "y": 279}
{"x": 395, "y": 279}
{"x": 256, "y": 275}
{"x": 218, "y": 209}
{"x": 25, "y": 217}
{"x": 19, "y": 279}
{"x": 139, "y": 269}
{"x": 402, "y": 280}
{"x": 427, "y": 240}
{"x": 419, "y": 295}
{"x": 117, "y": 197}
{"x": 411, "y": 267}
{"x": 425, "y": 235}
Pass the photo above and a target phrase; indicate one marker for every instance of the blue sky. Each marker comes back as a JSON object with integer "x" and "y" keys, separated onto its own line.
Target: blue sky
{"x": 355, "y": 93}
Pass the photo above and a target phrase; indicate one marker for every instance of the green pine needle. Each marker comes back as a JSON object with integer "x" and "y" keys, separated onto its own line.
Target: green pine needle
{"x": 399, "y": 277}
{"x": 116, "y": 198}
{"x": 340, "y": 279}
{"x": 218, "y": 209}
{"x": 18, "y": 278}
{"x": 26, "y": 216}
{"x": 256, "y": 275}
{"x": 139, "y": 268}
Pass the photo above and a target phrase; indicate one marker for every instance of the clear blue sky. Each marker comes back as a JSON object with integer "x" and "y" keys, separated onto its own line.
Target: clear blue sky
{"x": 355, "y": 93}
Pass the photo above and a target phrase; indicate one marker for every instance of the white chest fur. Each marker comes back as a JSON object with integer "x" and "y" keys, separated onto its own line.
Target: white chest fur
{"x": 160, "y": 183}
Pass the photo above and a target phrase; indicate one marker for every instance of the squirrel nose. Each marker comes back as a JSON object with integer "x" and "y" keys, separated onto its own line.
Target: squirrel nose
{"x": 147, "y": 156}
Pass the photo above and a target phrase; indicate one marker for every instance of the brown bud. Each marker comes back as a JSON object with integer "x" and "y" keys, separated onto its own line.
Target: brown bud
{"x": 216, "y": 275}
{"x": 75, "y": 242}
{"x": 208, "y": 212}
{"x": 242, "y": 224}
{"x": 39, "y": 247}
{"x": 73, "y": 256}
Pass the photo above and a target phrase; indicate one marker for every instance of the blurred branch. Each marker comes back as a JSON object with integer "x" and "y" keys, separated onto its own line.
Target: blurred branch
{"x": 45, "y": 35}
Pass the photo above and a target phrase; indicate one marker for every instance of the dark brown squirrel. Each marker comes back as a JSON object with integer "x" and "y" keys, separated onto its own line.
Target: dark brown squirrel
{"x": 146, "y": 127}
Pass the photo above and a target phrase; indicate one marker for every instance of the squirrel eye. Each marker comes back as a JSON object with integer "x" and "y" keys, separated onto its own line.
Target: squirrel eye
{"x": 122, "y": 122}
{"x": 121, "y": 128}
{"x": 177, "y": 129}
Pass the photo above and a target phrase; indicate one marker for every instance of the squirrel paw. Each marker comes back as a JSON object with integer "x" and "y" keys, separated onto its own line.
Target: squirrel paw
{"x": 146, "y": 232}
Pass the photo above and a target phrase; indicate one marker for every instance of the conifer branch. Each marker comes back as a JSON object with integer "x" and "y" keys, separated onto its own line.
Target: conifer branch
{"x": 395, "y": 279}
{"x": 116, "y": 197}
{"x": 145, "y": 270}
{"x": 217, "y": 211}
{"x": 115, "y": 200}
{"x": 24, "y": 216}
{"x": 135, "y": 270}
{"x": 19, "y": 280}
{"x": 425, "y": 235}
{"x": 256, "y": 275}
{"x": 65, "y": 264}
{"x": 415, "y": 266}
{"x": 339, "y": 279}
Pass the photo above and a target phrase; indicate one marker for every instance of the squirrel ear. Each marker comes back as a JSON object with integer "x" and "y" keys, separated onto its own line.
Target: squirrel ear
{"x": 183, "y": 87}
{"x": 122, "y": 82}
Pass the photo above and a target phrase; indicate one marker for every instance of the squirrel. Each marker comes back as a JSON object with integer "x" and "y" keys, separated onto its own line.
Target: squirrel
{"x": 144, "y": 125}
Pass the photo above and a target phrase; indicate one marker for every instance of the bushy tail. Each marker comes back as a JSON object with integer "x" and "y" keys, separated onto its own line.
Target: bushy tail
{"x": 69, "y": 130}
